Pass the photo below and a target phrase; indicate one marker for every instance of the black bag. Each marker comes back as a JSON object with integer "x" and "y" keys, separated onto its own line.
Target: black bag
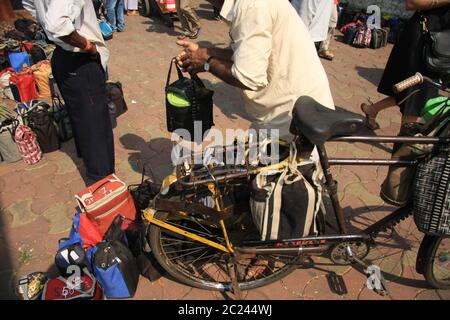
{"x": 37, "y": 54}
{"x": 198, "y": 107}
{"x": 284, "y": 204}
{"x": 134, "y": 237}
{"x": 350, "y": 35}
{"x": 115, "y": 269}
{"x": 61, "y": 119}
{"x": 4, "y": 63}
{"x": 41, "y": 122}
{"x": 436, "y": 51}
{"x": 114, "y": 94}
{"x": 144, "y": 192}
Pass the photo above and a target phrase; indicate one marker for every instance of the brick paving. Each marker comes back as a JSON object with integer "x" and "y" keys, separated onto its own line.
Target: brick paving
{"x": 37, "y": 203}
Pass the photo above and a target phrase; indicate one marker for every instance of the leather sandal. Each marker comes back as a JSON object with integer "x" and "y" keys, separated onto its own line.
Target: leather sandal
{"x": 371, "y": 123}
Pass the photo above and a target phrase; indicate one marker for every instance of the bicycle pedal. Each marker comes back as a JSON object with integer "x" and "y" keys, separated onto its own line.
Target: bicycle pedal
{"x": 336, "y": 283}
{"x": 376, "y": 281}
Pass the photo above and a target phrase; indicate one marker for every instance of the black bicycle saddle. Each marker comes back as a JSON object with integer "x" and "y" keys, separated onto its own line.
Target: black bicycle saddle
{"x": 319, "y": 123}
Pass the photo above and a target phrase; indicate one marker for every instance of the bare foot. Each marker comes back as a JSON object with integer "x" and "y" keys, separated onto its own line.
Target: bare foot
{"x": 371, "y": 123}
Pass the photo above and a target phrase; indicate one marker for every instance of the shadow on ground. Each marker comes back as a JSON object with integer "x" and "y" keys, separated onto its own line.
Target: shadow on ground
{"x": 372, "y": 75}
{"x": 153, "y": 158}
{"x": 7, "y": 273}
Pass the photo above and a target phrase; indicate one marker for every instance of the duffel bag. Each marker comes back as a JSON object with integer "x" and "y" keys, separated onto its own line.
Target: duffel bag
{"x": 104, "y": 200}
{"x": 83, "y": 287}
{"x": 41, "y": 122}
{"x": 114, "y": 267}
{"x": 432, "y": 192}
{"x": 377, "y": 39}
{"x": 284, "y": 203}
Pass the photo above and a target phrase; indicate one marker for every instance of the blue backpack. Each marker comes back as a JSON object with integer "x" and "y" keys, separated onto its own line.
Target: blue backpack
{"x": 106, "y": 29}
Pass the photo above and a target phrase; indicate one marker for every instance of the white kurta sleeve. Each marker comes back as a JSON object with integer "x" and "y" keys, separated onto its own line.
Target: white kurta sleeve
{"x": 252, "y": 45}
{"x": 62, "y": 15}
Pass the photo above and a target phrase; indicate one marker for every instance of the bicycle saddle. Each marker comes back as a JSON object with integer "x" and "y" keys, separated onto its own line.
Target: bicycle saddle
{"x": 319, "y": 124}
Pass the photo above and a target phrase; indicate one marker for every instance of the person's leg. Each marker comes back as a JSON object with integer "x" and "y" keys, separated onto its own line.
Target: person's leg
{"x": 120, "y": 15}
{"x": 111, "y": 14}
{"x": 181, "y": 16}
{"x": 324, "y": 51}
{"x": 371, "y": 110}
{"x": 191, "y": 16}
{"x": 82, "y": 85}
{"x": 216, "y": 13}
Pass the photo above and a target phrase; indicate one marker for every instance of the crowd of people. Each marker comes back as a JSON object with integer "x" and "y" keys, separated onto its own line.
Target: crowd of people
{"x": 273, "y": 58}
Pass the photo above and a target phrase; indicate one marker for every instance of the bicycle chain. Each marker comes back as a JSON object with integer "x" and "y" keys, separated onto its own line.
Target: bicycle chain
{"x": 390, "y": 223}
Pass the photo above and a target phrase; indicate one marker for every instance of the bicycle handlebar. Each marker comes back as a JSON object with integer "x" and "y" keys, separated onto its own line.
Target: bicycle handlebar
{"x": 418, "y": 79}
{"x": 408, "y": 83}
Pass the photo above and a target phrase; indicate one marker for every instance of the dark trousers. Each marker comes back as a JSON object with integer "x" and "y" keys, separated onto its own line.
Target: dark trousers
{"x": 82, "y": 84}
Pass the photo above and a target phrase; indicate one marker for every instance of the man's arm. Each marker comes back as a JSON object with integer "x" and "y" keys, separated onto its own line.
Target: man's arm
{"x": 222, "y": 54}
{"x": 30, "y": 7}
{"x": 59, "y": 21}
{"x": 222, "y": 70}
{"x": 193, "y": 59}
{"x": 425, "y": 4}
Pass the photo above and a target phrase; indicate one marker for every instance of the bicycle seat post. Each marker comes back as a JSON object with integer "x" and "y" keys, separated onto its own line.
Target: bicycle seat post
{"x": 332, "y": 188}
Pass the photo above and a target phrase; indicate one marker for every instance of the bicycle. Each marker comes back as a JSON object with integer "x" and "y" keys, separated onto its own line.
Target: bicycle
{"x": 201, "y": 233}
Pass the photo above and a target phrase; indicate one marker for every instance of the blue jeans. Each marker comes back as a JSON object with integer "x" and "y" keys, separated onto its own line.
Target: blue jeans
{"x": 115, "y": 14}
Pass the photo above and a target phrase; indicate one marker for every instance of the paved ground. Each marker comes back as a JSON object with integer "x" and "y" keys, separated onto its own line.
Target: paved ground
{"x": 37, "y": 203}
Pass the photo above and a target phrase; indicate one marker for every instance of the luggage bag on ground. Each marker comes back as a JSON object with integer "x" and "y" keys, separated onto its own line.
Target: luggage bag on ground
{"x": 104, "y": 200}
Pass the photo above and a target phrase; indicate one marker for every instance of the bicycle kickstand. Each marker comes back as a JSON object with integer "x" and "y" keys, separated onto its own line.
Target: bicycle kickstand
{"x": 234, "y": 279}
{"x": 375, "y": 280}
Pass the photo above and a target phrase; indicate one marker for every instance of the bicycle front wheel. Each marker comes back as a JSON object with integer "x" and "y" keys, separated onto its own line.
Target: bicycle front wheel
{"x": 436, "y": 255}
{"x": 201, "y": 266}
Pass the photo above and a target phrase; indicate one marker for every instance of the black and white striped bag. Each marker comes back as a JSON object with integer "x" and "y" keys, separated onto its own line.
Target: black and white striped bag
{"x": 432, "y": 193}
{"x": 284, "y": 203}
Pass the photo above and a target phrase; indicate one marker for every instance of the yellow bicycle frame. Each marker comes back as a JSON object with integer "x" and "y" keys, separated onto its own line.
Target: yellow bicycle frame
{"x": 149, "y": 215}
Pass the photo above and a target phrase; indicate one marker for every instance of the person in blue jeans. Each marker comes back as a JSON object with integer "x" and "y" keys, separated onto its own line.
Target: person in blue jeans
{"x": 115, "y": 14}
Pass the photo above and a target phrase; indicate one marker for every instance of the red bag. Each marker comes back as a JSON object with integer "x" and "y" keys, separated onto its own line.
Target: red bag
{"x": 27, "y": 144}
{"x": 84, "y": 287}
{"x": 104, "y": 200}
{"x": 26, "y": 84}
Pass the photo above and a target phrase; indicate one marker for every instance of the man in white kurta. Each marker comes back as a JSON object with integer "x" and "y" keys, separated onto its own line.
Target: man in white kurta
{"x": 316, "y": 16}
{"x": 272, "y": 58}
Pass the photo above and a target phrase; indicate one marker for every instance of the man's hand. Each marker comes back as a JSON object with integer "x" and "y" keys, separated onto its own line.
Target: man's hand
{"x": 192, "y": 59}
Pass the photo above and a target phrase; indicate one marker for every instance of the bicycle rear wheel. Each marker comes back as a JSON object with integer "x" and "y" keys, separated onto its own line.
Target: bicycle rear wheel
{"x": 199, "y": 265}
{"x": 436, "y": 255}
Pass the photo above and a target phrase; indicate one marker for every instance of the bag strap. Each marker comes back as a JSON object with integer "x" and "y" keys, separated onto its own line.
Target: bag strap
{"x": 180, "y": 74}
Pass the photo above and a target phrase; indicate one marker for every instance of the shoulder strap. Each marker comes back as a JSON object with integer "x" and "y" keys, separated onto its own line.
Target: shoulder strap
{"x": 180, "y": 74}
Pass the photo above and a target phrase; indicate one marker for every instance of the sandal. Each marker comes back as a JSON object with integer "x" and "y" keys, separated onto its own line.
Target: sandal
{"x": 194, "y": 34}
{"x": 183, "y": 36}
{"x": 326, "y": 55}
{"x": 371, "y": 123}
